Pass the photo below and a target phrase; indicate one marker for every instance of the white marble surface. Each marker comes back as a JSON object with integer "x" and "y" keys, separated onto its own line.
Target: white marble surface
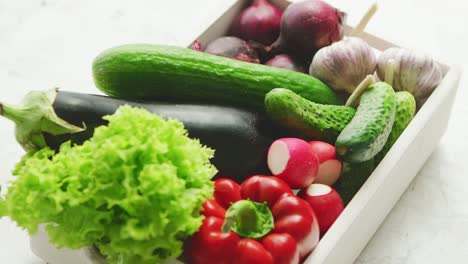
{"x": 47, "y": 43}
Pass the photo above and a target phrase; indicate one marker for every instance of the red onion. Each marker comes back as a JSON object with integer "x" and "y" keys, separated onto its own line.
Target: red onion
{"x": 259, "y": 22}
{"x": 307, "y": 26}
{"x": 196, "y": 45}
{"x": 234, "y": 48}
{"x": 286, "y": 62}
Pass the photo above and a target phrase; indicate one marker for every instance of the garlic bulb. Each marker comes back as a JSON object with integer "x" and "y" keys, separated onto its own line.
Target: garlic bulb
{"x": 415, "y": 72}
{"x": 344, "y": 64}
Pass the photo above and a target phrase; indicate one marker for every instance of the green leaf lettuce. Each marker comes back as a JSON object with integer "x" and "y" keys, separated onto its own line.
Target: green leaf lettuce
{"x": 134, "y": 190}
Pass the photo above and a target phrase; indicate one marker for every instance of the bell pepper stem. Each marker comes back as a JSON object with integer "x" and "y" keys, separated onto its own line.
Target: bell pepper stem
{"x": 248, "y": 219}
{"x": 227, "y": 224}
{"x": 244, "y": 214}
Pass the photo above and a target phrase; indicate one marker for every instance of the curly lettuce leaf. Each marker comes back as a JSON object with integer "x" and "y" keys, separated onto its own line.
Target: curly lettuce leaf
{"x": 134, "y": 190}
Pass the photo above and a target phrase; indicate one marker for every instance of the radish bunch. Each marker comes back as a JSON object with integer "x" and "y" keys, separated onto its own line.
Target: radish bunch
{"x": 313, "y": 168}
{"x": 299, "y": 163}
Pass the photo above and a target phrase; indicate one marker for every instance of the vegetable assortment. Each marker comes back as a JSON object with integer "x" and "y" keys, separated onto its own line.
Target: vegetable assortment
{"x": 198, "y": 153}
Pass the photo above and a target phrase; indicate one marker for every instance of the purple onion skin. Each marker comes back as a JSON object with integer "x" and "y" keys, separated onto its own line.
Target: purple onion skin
{"x": 259, "y": 22}
{"x": 234, "y": 48}
{"x": 196, "y": 45}
{"x": 307, "y": 26}
{"x": 286, "y": 62}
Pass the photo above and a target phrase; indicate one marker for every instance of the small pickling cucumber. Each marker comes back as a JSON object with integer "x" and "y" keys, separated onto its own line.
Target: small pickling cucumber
{"x": 405, "y": 110}
{"x": 306, "y": 118}
{"x": 368, "y": 131}
{"x": 352, "y": 178}
{"x": 159, "y": 72}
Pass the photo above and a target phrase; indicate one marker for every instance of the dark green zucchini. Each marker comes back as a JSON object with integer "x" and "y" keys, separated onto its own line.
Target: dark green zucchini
{"x": 158, "y": 72}
{"x": 240, "y": 138}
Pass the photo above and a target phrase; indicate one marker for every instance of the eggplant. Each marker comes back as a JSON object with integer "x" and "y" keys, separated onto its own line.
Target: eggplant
{"x": 240, "y": 137}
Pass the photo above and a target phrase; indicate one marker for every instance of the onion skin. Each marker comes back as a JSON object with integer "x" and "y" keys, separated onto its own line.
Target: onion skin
{"x": 307, "y": 26}
{"x": 259, "y": 22}
{"x": 286, "y": 62}
{"x": 196, "y": 45}
{"x": 344, "y": 64}
{"x": 234, "y": 48}
{"x": 415, "y": 72}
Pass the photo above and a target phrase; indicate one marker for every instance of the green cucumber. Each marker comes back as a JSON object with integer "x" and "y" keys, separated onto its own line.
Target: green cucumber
{"x": 158, "y": 72}
{"x": 305, "y": 118}
{"x": 405, "y": 110}
{"x": 352, "y": 178}
{"x": 368, "y": 131}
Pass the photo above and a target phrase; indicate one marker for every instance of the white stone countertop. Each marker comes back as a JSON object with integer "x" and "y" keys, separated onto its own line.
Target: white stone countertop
{"x": 49, "y": 43}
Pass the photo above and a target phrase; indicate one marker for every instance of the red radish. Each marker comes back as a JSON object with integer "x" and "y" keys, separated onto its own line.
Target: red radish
{"x": 234, "y": 48}
{"x": 307, "y": 26}
{"x": 259, "y": 22}
{"x": 325, "y": 201}
{"x": 330, "y": 168}
{"x": 286, "y": 62}
{"x": 292, "y": 160}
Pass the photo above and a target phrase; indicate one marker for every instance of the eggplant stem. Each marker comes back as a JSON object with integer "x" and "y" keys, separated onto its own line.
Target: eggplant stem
{"x": 360, "y": 89}
{"x": 34, "y": 116}
{"x": 364, "y": 21}
{"x": 390, "y": 71}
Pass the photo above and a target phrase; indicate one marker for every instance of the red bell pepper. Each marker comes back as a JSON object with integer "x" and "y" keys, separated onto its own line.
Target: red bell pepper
{"x": 260, "y": 221}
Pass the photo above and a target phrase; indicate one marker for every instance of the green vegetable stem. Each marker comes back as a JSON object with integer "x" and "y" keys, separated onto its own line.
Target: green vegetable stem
{"x": 34, "y": 117}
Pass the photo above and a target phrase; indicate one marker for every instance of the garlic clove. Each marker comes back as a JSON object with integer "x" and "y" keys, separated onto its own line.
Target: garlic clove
{"x": 344, "y": 64}
{"x": 415, "y": 72}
